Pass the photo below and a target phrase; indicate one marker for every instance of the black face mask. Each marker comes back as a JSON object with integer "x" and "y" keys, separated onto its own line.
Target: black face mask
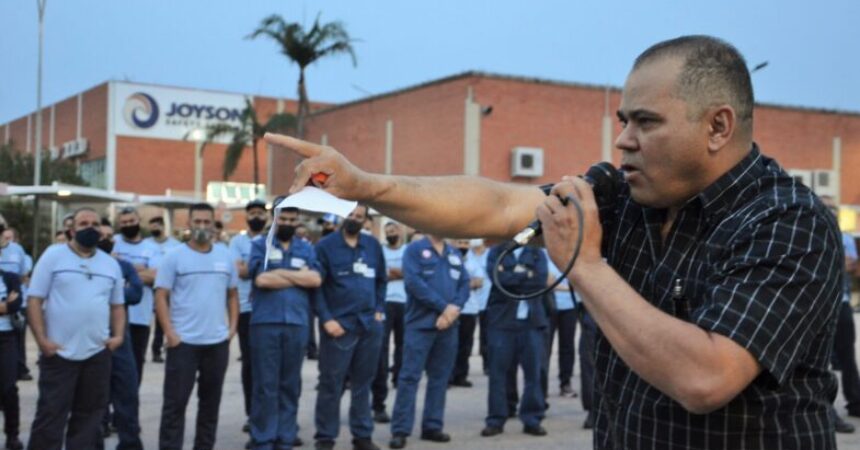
{"x": 105, "y": 245}
{"x": 392, "y": 240}
{"x": 351, "y": 226}
{"x": 285, "y": 232}
{"x": 463, "y": 251}
{"x": 327, "y": 231}
{"x": 88, "y": 237}
{"x": 256, "y": 224}
{"x": 131, "y": 231}
{"x": 155, "y": 233}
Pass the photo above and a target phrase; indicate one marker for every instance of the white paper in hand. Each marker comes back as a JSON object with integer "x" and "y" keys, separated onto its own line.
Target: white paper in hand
{"x": 315, "y": 199}
{"x": 309, "y": 199}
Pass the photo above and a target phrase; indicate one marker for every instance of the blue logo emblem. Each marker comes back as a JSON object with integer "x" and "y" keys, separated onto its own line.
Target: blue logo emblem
{"x": 141, "y": 110}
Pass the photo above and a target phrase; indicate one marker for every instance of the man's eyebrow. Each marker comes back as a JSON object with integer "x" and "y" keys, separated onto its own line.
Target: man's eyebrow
{"x": 637, "y": 114}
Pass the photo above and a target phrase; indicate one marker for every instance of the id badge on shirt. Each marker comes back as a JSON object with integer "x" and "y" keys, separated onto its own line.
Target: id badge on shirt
{"x": 522, "y": 310}
{"x": 454, "y": 260}
{"x": 297, "y": 263}
{"x": 359, "y": 268}
{"x": 276, "y": 254}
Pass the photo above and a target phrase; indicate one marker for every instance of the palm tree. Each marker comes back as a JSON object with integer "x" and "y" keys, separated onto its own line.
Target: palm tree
{"x": 247, "y": 134}
{"x": 304, "y": 48}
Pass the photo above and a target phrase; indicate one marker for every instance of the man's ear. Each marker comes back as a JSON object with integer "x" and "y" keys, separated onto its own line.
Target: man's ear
{"x": 722, "y": 124}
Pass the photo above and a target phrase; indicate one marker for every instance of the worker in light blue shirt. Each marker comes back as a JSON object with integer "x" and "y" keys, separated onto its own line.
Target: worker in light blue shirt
{"x": 165, "y": 242}
{"x": 124, "y": 398}
{"x": 395, "y": 310}
{"x": 349, "y": 305}
{"x": 563, "y": 320}
{"x": 10, "y": 262}
{"x": 240, "y": 250}
{"x": 478, "y": 285}
{"x": 10, "y": 302}
{"x": 516, "y": 337}
{"x": 476, "y": 262}
{"x": 77, "y": 316}
{"x": 13, "y": 258}
{"x": 199, "y": 279}
{"x": 282, "y": 293}
{"x": 437, "y": 287}
{"x": 143, "y": 255}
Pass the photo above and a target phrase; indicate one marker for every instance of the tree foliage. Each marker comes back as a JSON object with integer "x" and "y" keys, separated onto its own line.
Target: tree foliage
{"x": 304, "y": 47}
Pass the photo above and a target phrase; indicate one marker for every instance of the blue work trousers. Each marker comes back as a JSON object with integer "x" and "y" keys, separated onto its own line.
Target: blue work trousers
{"x": 434, "y": 351}
{"x": 277, "y": 353}
{"x": 124, "y": 396}
{"x": 355, "y": 354}
{"x": 507, "y": 348}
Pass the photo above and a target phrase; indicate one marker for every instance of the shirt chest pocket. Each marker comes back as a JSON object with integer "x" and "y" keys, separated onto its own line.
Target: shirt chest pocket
{"x": 427, "y": 268}
{"x": 85, "y": 283}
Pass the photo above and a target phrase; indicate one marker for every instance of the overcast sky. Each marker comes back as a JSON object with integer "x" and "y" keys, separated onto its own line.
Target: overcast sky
{"x": 813, "y": 48}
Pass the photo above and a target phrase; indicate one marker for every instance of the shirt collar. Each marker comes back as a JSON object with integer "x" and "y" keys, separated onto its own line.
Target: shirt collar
{"x": 719, "y": 198}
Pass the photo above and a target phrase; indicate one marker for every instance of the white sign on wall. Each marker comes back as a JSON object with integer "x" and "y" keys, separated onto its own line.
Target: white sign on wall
{"x": 170, "y": 113}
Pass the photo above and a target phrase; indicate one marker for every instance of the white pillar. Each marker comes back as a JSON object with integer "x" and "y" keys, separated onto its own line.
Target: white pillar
{"x": 472, "y": 135}
{"x": 389, "y": 146}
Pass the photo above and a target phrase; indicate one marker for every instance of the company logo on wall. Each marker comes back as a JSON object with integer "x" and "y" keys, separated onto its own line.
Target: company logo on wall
{"x": 140, "y": 111}
{"x": 171, "y": 113}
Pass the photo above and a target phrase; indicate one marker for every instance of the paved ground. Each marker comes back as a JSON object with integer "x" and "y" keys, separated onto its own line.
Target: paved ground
{"x": 464, "y": 416}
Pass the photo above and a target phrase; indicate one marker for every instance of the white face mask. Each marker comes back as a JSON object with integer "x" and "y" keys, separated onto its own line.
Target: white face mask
{"x": 476, "y": 242}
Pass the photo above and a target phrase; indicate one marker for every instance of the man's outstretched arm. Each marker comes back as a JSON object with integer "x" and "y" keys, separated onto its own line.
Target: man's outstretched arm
{"x": 456, "y": 206}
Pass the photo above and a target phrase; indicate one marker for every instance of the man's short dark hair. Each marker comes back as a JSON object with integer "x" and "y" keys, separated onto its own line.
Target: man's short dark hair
{"x": 200, "y": 207}
{"x": 713, "y": 72}
{"x": 255, "y": 204}
{"x": 80, "y": 210}
{"x": 157, "y": 219}
{"x": 128, "y": 210}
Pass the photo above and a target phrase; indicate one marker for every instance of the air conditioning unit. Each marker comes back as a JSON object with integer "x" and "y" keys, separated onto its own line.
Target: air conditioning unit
{"x": 803, "y": 176}
{"x": 527, "y": 162}
{"x": 825, "y": 182}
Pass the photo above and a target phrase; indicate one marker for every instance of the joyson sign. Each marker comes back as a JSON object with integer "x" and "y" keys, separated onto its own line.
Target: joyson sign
{"x": 170, "y": 113}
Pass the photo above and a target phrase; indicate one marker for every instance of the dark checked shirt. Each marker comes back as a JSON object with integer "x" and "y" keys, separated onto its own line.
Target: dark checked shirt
{"x": 754, "y": 257}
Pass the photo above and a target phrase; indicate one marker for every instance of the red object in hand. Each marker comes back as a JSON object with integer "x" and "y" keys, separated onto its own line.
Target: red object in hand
{"x": 318, "y": 179}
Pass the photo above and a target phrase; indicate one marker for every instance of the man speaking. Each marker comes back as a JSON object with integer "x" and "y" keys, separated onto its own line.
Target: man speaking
{"x": 713, "y": 275}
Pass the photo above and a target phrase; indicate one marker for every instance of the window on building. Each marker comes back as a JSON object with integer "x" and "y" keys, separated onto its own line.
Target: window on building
{"x": 93, "y": 172}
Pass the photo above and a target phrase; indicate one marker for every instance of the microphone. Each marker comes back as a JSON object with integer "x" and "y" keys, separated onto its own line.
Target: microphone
{"x": 605, "y": 181}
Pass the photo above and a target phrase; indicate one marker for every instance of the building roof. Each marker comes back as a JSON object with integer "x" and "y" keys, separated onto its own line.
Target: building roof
{"x": 549, "y": 82}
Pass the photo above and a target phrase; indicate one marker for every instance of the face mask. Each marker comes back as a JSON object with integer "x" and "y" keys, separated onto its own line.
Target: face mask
{"x": 88, "y": 237}
{"x": 155, "y": 233}
{"x": 131, "y": 231}
{"x": 201, "y": 235}
{"x": 326, "y": 231}
{"x": 392, "y": 240}
{"x": 463, "y": 251}
{"x": 351, "y": 226}
{"x": 256, "y": 224}
{"x": 285, "y": 232}
{"x": 105, "y": 245}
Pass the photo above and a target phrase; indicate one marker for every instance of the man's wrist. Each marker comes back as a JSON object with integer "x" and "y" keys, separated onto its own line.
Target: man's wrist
{"x": 583, "y": 271}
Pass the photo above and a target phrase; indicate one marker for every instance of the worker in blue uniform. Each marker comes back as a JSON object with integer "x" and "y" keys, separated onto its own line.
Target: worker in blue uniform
{"x": 516, "y": 331}
{"x": 437, "y": 286}
{"x": 350, "y": 307}
{"x": 282, "y": 291}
